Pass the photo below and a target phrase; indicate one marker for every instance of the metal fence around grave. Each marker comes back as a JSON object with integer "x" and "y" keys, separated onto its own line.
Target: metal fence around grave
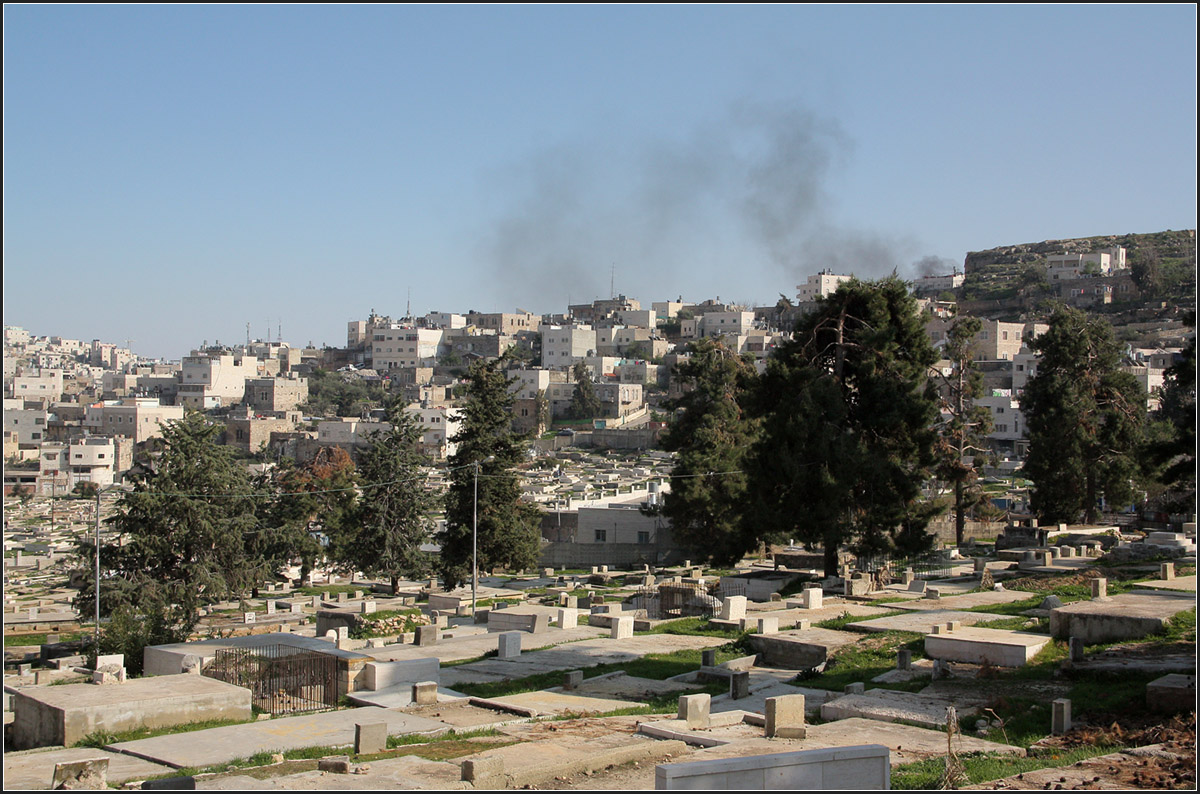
{"x": 927, "y": 567}
{"x": 282, "y": 679}
{"x": 673, "y": 600}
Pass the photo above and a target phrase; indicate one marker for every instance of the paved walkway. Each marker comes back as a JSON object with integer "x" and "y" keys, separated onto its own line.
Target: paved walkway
{"x": 220, "y": 745}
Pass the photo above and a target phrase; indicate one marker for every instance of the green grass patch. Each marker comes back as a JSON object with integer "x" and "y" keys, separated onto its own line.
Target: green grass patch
{"x": 658, "y": 666}
{"x": 1017, "y": 623}
{"x": 867, "y": 659}
{"x": 845, "y": 621}
{"x": 24, "y": 640}
{"x": 331, "y": 589}
{"x": 101, "y": 738}
{"x": 1181, "y": 627}
{"x": 984, "y": 767}
{"x": 698, "y": 627}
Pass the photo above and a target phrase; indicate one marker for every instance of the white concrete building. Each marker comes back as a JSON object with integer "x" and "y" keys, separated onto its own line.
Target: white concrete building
{"x": 438, "y": 425}
{"x": 819, "y": 285}
{"x": 565, "y": 345}
{"x": 1065, "y": 267}
{"x": 136, "y": 418}
{"x": 394, "y": 346}
{"x": 213, "y": 381}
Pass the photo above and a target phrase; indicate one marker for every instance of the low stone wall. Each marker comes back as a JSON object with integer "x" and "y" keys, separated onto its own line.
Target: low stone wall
{"x": 863, "y": 767}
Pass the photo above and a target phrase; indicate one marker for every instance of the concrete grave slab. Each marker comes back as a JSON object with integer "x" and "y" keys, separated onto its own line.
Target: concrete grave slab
{"x": 33, "y": 769}
{"x": 966, "y": 600}
{"x": 886, "y": 705}
{"x": 799, "y": 650}
{"x": 408, "y": 772}
{"x": 923, "y": 621}
{"x": 1120, "y": 617}
{"x": 1182, "y": 583}
{"x": 998, "y": 647}
{"x": 219, "y": 745}
{"x": 627, "y": 687}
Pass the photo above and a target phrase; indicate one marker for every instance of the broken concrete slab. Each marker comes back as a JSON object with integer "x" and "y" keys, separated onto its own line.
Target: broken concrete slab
{"x": 885, "y": 705}
{"x": 1171, "y": 694}
{"x": 799, "y": 649}
{"x": 860, "y": 767}
{"x": 33, "y": 769}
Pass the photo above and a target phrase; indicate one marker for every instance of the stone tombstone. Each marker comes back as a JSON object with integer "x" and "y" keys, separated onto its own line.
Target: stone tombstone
{"x": 1075, "y": 645}
{"x": 547, "y": 573}
{"x": 297, "y": 608}
{"x": 270, "y": 607}
{"x": 427, "y": 635}
{"x": 1055, "y": 552}
{"x": 441, "y": 621}
{"x": 425, "y": 693}
{"x": 776, "y": 597}
{"x": 568, "y": 618}
{"x": 904, "y": 659}
{"x": 110, "y": 661}
{"x": 90, "y": 773}
{"x": 324, "y": 596}
{"x": 192, "y": 664}
{"x": 622, "y": 628}
{"x": 370, "y": 737}
{"x": 803, "y": 625}
{"x": 1060, "y": 718}
{"x": 908, "y": 577}
{"x": 733, "y": 608}
{"x": 739, "y": 684}
{"x": 247, "y": 617}
{"x": 331, "y": 636}
{"x": 585, "y": 602}
{"x": 338, "y": 764}
{"x": 343, "y": 597}
{"x": 510, "y": 645}
{"x": 933, "y": 593}
{"x": 980, "y": 564}
{"x": 767, "y": 625}
{"x": 367, "y": 607}
{"x": 1099, "y": 589}
{"x": 316, "y": 602}
{"x": 785, "y": 717}
{"x": 358, "y": 594}
{"x": 708, "y": 657}
{"x": 914, "y": 585}
{"x": 694, "y": 710}
{"x": 24, "y": 669}
{"x": 1167, "y": 571}
{"x": 343, "y": 633}
{"x": 52, "y": 638}
{"x": 940, "y": 669}
{"x": 1068, "y": 552}
{"x": 482, "y": 770}
{"x": 572, "y": 680}
{"x": 595, "y": 570}
{"x": 811, "y": 597}
{"x": 855, "y": 688}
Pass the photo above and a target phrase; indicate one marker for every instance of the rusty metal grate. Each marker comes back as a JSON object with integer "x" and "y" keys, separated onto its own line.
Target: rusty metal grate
{"x": 282, "y": 679}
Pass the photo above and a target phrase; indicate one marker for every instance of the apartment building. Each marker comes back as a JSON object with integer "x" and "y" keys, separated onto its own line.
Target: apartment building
{"x": 63, "y": 466}
{"x": 565, "y": 345}
{"x": 276, "y": 394}
{"x": 397, "y": 345}
{"x": 438, "y": 426}
{"x": 215, "y": 380}
{"x": 1065, "y": 267}
{"x": 137, "y": 418}
{"x": 45, "y": 386}
{"x": 819, "y": 285}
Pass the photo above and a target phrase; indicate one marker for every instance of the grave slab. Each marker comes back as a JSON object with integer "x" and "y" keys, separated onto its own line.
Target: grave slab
{"x": 800, "y": 649}
{"x": 1182, "y": 583}
{"x": 923, "y": 621}
{"x": 885, "y": 705}
{"x": 219, "y": 745}
{"x": 33, "y": 769}
{"x": 997, "y": 647}
{"x": 966, "y": 600}
{"x": 558, "y": 703}
{"x": 1121, "y": 617}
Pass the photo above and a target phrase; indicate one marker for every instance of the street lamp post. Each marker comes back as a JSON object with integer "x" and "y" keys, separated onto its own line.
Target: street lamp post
{"x": 475, "y": 537}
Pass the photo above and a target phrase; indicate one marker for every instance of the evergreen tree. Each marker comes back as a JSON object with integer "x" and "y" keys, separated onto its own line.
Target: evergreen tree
{"x": 188, "y": 531}
{"x": 321, "y": 498}
{"x": 847, "y": 438}
{"x": 710, "y": 434}
{"x": 1174, "y": 453}
{"x": 1084, "y": 418}
{"x": 509, "y": 529}
{"x": 967, "y": 426}
{"x": 584, "y": 402}
{"x": 392, "y": 519}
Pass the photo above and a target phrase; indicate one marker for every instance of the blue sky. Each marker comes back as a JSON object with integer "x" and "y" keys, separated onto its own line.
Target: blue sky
{"x": 172, "y": 173}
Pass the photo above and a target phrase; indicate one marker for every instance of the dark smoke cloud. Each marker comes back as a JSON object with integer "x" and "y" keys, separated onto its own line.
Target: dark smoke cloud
{"x": 934, "y": 266}
{"x": 668, "y": 211}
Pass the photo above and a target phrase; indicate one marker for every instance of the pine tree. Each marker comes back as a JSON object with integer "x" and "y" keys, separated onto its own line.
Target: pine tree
{"x": 383, "y": 536}
{"x": 509, "y": 529}
{"x": 1084, "y": 418}
{"x": 189, "y": 530}
{"x": 711, "y": 435}
{"x": 1175, "y": 455}
{"x": 847, "y": 412}
{"x": 967, "y": 426}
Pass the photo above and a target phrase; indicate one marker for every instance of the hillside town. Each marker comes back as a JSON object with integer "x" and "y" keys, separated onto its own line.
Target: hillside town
{"x": 629, "y": 545}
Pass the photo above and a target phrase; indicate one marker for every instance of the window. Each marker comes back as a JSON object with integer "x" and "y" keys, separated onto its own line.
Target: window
{"x": 601, "y": 535}
{"x": 643, "y": 536}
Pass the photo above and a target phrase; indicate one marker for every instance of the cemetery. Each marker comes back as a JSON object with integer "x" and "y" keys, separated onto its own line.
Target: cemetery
{"x": 675, "y": 677}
